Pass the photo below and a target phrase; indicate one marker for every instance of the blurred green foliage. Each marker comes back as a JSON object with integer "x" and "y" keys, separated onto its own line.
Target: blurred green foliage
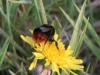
{"x": 18, "y": 16}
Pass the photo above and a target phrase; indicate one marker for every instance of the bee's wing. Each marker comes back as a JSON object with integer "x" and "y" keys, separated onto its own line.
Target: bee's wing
{"x": 45, "y": 29}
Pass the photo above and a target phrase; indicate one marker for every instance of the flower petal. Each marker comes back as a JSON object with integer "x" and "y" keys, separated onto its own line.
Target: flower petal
{"x": 31, "y": 31}
{"x": 39, "y": 55}
{"x": 28, "y": 40}
{"x": 33, "y": 64}
{"x": 55, "y": 36}
{"x": 47, "y": 62}
{"x": 55, "y": 68}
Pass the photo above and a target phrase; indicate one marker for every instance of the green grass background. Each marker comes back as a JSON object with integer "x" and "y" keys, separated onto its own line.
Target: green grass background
{"x": 76, "y": 21}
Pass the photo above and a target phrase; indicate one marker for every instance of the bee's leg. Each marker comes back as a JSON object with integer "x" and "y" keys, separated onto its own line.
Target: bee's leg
{"x": 39, "y": 44}
{"x": 55, "y": 43}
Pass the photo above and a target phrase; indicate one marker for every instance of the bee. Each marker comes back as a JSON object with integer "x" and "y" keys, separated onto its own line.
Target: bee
{"x": 44, "y": 33}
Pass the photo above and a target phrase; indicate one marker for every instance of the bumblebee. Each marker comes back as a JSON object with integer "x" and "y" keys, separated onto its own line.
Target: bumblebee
{"x": 44, "y": 33}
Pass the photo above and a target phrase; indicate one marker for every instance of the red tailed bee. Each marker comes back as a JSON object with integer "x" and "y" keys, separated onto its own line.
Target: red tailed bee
{"x": 44, "y": 33}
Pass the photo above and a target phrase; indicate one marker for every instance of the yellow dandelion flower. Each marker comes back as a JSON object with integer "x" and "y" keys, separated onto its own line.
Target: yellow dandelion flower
{"x": 54, "y": 57}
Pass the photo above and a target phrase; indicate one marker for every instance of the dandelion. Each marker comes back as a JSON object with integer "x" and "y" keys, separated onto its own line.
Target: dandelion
{"x": 54, "y": 58}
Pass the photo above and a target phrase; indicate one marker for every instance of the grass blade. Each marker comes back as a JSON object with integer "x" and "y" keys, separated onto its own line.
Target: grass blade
{"x": 92, "y": 31}
{"x": 80, "y": 40}
{"x": 21, "y": 1}
{"x": 37, "y": 12}
{"x": 9, "y": 27}
{"x": 12, "y": 73}
{"x": 68, "y": 17}
{"x": 88, "y": 42}
{"x": 92, "y": 47}
{"x": 42, "y": 12}
{"x": 3, "y": 52}
{"x": 5, "y": 35}
{"x": 25, "y": 15}
{"x": 77, "y": 27}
